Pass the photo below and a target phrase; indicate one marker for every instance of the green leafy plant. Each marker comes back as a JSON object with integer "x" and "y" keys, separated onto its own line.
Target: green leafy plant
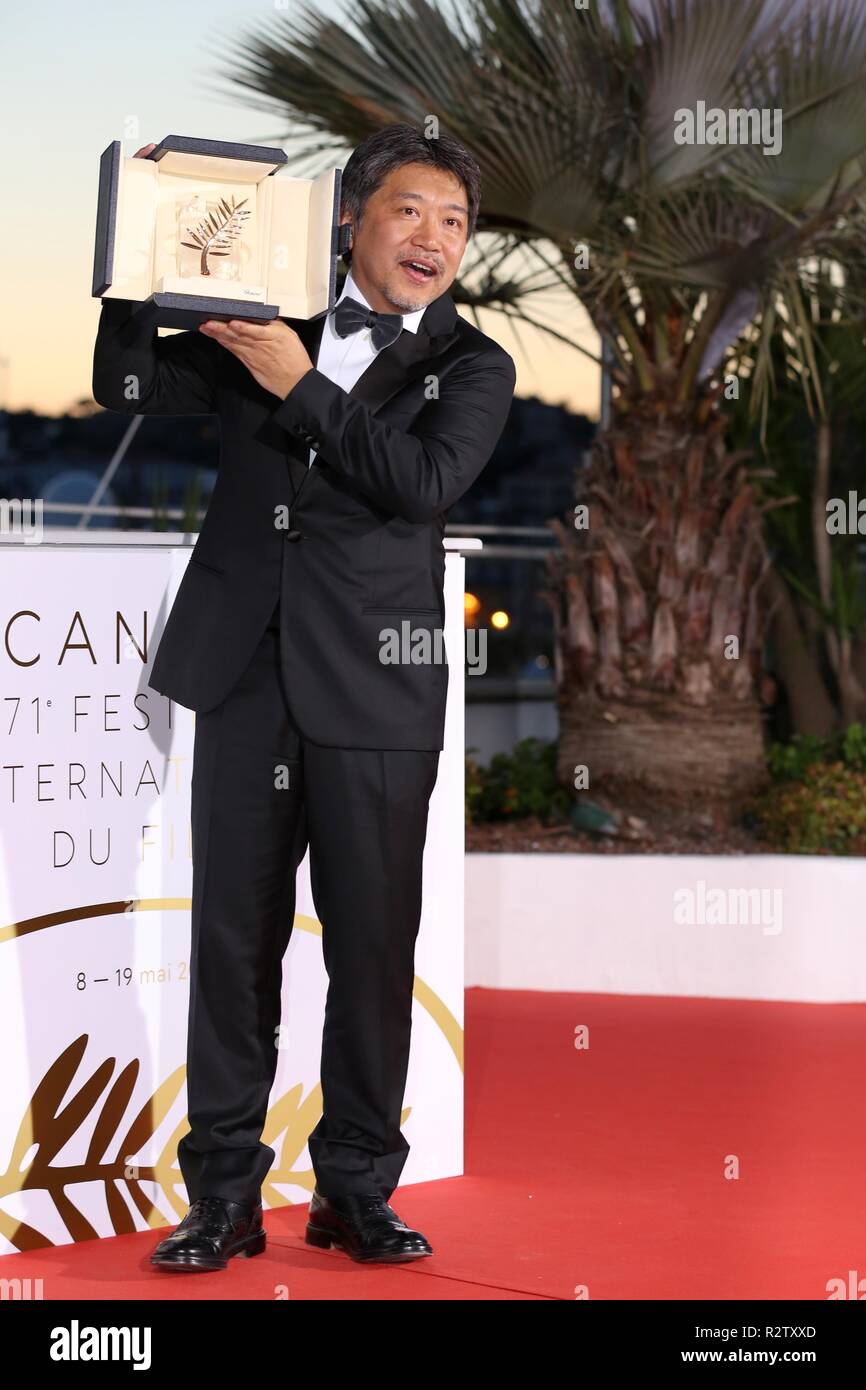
{"x": 811, "y": 441}
{"x": 516, "y": 784}
{"x": 816, "y": 803}
{"x": 789, "y": 761}
{"x": 822, "y": 813}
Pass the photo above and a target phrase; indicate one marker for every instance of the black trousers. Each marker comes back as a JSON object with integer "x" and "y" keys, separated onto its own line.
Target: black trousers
{"x": 364, "y": 814}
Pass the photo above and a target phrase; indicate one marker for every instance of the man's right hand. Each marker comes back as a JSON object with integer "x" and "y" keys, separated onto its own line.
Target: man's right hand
{"x": 144, "y": 151}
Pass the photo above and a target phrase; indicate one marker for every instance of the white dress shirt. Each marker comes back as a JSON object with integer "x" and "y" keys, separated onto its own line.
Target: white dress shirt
{"x": 343, "y": 360}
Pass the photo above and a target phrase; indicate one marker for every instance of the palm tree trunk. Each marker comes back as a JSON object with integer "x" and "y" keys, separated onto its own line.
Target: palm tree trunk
{"x": 658, "y": 613}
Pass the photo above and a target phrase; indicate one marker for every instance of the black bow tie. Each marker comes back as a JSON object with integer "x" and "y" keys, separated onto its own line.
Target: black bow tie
{"x": 351, "y": 317}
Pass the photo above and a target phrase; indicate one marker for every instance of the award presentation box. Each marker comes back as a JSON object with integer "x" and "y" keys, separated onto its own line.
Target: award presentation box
{"x": 212, "y": 229}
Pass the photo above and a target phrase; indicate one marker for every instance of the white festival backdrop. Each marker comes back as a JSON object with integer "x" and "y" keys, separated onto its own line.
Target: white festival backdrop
{"x": 95, "y": 882}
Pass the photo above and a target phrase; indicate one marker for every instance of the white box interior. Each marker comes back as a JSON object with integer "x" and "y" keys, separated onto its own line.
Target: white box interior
{"x": 288, "y": 232}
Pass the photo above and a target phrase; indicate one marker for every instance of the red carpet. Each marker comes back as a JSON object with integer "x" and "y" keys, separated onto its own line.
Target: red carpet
{"x": 602, "y": 1167}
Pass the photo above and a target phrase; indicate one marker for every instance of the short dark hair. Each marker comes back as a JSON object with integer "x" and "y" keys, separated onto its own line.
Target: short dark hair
{"x": 385, "y": 150}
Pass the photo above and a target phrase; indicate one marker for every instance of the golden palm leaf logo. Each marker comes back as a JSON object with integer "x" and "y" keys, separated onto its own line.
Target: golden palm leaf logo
{"x": 56, "y": 1113}
{"x": 103, "y": 1105}
{"x": 214, "y": 234}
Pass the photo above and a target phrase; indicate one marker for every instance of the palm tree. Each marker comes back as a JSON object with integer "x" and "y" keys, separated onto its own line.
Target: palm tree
{"x": 686, "y": 257}
{"x": 814, "y": 436}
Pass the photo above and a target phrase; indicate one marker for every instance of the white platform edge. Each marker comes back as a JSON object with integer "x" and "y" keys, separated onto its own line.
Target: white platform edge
{"x": 606, "y": 924}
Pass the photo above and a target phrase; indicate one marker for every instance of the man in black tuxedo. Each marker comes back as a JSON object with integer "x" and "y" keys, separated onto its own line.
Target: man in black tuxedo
{"x": 325, "y": 528}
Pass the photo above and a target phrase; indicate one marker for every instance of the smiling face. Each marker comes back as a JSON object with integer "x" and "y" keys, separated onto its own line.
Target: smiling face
{"x": 419, "y": 214}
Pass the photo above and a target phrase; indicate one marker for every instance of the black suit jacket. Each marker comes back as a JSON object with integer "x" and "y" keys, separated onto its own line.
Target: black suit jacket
{"x": 363, "y": 547}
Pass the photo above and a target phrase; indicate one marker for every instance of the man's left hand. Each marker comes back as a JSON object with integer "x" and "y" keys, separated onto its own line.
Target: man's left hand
{"x": 273, "y": 352}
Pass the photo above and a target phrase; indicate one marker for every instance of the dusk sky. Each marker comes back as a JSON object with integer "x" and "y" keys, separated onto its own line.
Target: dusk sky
{"x": 73, "y": 80}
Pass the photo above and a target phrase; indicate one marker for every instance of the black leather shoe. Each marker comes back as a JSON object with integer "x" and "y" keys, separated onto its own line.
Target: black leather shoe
{"x": 365, "y": 1227}
{"x": 212, "y": 1231}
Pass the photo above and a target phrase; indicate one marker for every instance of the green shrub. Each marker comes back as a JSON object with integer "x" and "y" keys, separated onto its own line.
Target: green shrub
{"x": 822, "y": 813}
{"x": 789, "y": 761}
{"x": 816, "y": 802}
{"x": 520, "y": 783}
